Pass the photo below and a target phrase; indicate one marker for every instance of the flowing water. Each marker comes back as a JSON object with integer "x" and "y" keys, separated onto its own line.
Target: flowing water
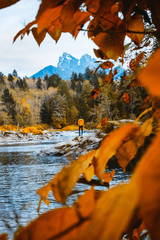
{"x": 22, "y": 172}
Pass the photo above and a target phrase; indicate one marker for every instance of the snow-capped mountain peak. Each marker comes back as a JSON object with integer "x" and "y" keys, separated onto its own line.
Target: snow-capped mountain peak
{"x": 68, "y": 64}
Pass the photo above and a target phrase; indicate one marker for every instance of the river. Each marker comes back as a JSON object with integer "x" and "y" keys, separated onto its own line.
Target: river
{"x": 22, "y": 172}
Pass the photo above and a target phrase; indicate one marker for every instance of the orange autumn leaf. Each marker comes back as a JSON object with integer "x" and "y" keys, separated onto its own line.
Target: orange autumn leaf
{"x": 108, "y": 176}
{"x": 24, "y": 30}
{"x": 55, "y": 30}
{"x": 48, "y": 4}
{"x": 126, "y": 153}
{"x": 73, "y": 24}
{"x": 147, "y": 176}
{"x": 88, "y": 173}
{"x": 131, "y": 85}
{"x": 136, "y": 25}
{"x": 146, "y": 102}
{"x": 86, "y": 203}
{"x": 69, "y": 9}
{"x": 6, "y": 3}
{"x": 109, "y": 146}
{"x": 38, "y": 37}
{"x": 4, "y": 236}
{"x": 149, "y": 77}
{"x": 139, "y": 58}
{"x": 115, "y": 8}
{"x": 113, "y": 210}
{"x": 111, "y": 44}
{"x": 106, "y": 65}
{"x": 145, "y": 130}
{"x": 64, "y": 181}
{"x": 95, "y": 92}
{"x": 134, "y": 62}
{"x": 100, "y": 54}
{"x": 108, "y": 78}
{"x": 126, "y": 98}
{"x": 115, "y": 71}
{"x": 132, "y": 65}
{"x": 104, "y": 121}
{"x": 62, "y": 223}
{"x": 92, "y": 5}
{"x": 47, "y": 18}
{"x": 137, "y": 232}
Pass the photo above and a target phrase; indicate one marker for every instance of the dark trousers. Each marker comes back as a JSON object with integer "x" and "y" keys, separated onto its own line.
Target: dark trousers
{"x": 80, "y": 130}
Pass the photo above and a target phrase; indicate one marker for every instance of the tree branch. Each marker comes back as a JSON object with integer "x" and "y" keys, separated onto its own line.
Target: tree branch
{"x": 117, "y": 30}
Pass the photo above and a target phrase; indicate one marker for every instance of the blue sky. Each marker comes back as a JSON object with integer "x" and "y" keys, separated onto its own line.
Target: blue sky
{"x": 26, "y": 56}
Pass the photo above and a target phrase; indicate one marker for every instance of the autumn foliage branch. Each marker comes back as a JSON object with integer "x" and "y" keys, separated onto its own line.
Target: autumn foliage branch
{"x": 128, "y": 208}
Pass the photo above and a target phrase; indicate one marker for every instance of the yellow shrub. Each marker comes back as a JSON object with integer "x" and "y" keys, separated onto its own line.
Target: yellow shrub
{"x": 33, "y": 130}
{"x": 70, "y": 128}
{"x": 99, "y": 126}
{"x": 5, "y": 128}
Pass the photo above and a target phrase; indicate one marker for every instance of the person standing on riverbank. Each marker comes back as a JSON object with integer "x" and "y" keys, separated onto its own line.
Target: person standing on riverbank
{"x": 81, "y": 124}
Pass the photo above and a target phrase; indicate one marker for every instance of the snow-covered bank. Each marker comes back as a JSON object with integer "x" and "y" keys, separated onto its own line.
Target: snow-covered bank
{"x": 75, "y": 146}
{"x": 63, "y": 143}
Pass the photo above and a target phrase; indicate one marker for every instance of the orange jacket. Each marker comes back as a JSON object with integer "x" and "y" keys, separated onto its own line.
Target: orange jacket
{"x": 80, "y": 122}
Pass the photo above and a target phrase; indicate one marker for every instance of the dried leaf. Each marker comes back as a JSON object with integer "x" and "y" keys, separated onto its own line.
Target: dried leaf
{"x": 106, "y": 65}
{"x": 100, "y": 54}
{"x": 47, "y": 18}
{"x": 55, "y": 30}
{"x": 108, "y": 176}
{"x": 7, "y": 3}
{"x": 44, "y": 191}
{"x": 108, "y": 78}
{"x": 92, "y": 5}
{"x": 136, "y": 25}
{"x": 126, "y": 153}
{"x": 132, "y": 84}
{"x": 95, "y": 92}
{"x": 48, "y": 4}
{"x": 114, "y": 210}
{"x": 126, "y": 98}
{"x": 111, "y": 44}
{"x": 68, "y": 176}
{"x": 38, "y": 37}
{"x": 139, "y": 58}
{"x": 86, "y": 203}
{"x": 145, "y": 130}
{"x": 115, "y": 72}
{"x": 147, "y": 176}
{"x": 62, "y": 223}
{"x": 88, "y": 173}
{"x": 104, "y": 121}
{"x": 132, "y": 65}
{"x": 109, "y": 146}
{"x": 69, "y": 9}
{"x": 146, "y": 102}
{"x": 134, "y": 62}
{"x": 73, "y": 24}
{"x": 4, "y": 236}
{"x": 149, "y": 77}
{"x": 24, "y": 30}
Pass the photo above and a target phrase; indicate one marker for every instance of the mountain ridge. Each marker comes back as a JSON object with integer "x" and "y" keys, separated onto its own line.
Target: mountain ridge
{"x": 68, "y": 64}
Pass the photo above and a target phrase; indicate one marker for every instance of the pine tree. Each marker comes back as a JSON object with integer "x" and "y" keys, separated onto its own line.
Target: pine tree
{"x": 2, "y": 78}
{"x": 9, "y": 103}
{"x": 15, "y": 74}
{"x": 74, "y": 79}
{"x": 45, "y": 113}
{"x": 10, "y": 79}
{"x": 39, "y": 83}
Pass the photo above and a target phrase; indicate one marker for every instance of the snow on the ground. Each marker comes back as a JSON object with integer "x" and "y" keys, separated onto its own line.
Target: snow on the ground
{"x": 72, "y": 144}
